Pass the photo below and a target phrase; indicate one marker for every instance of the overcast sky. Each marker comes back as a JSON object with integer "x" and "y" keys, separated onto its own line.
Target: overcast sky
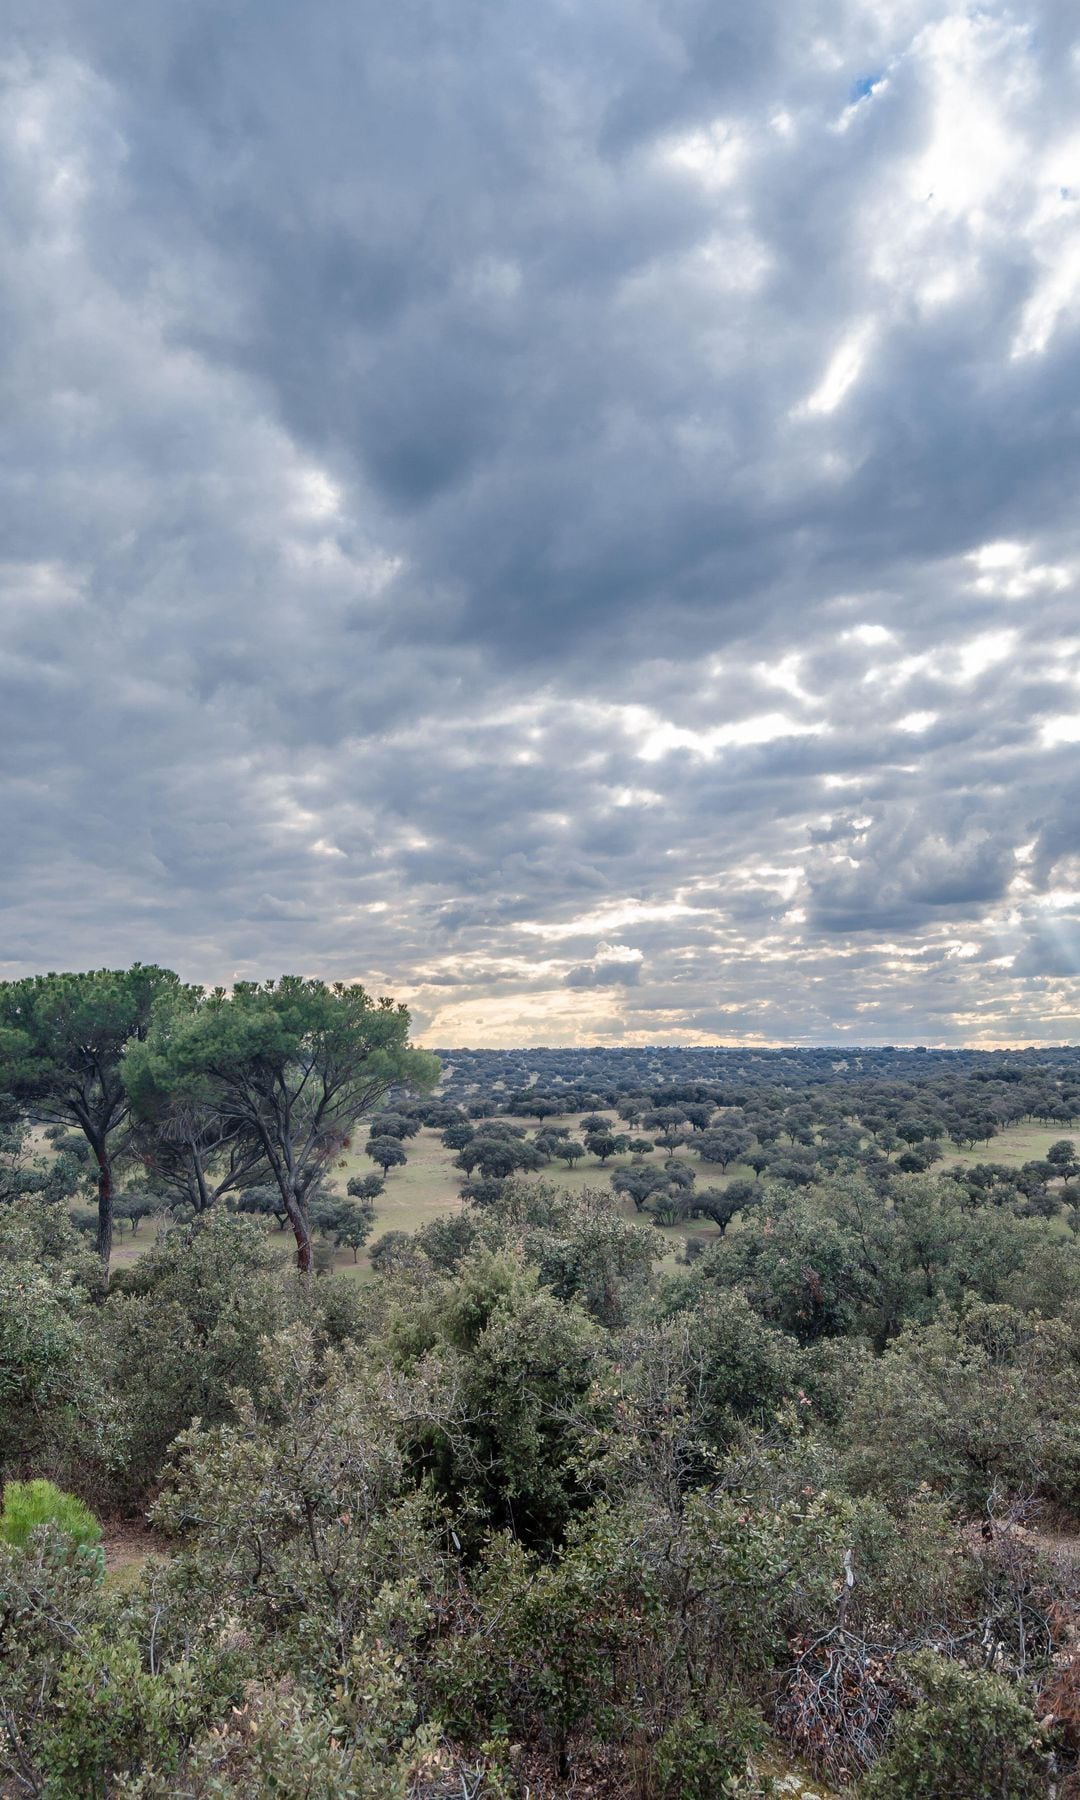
{"x": 565, "y": 510}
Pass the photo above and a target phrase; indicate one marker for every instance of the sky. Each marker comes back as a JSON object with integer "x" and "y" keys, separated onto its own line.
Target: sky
{"x": 566, "y": 513}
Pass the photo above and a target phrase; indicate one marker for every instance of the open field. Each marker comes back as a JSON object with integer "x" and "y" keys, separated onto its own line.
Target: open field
{"x": 1020, "y": 1144}
{"x": 429, "y": 1185}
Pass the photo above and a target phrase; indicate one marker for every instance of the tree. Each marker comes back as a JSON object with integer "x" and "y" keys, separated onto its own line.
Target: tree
{"x": 721, "y": 1204}
{"x": 24, "y": 1172}
{"x": 604, "y": 1144}
{"x": 457, "y": 1135}
{"x": 394, "y": 1124}
{"x": 296, "y": 1063}
{"x": 570, "y": 1151}
{"x": 678, "y": 1174}
{"x": 388, "y": 1152}
{"x": 795, "y": 1167}
{"x": 551, "y": 1139}
{"x": 193, "y": 1153}
{"x": 798, "y": 1125}
{"x": 265, "y": 1202}
{"x": 1063, "y": 1156}
{"x": 62, "y": 1058}
{"x": 639, "y": 1184}
{"x": 484, "y": 1190}
{"x": 536, "y": 1106}
{"x": 364, "y": 1187}
{"x": 666, "y": 1123}
{"x": 914, "y": 1131}
{"x": 497, "y": 1157}
{"x": 348, "y": 1223}
{"x": 135, "y": 1205}
{"x": 723, "y": 1146}
{"x": 435, "y": 1114}
{"x": 644, "y": 1184}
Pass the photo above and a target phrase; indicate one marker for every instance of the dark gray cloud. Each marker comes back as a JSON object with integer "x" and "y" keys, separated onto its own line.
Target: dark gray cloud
{"x": 566, "y": 515}
{"x": 614, "y": 965}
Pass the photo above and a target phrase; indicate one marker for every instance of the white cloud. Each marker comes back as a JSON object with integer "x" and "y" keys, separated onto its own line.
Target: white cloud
{"x": 981, "y": 653}
{"x": 606, "y": 918}
{"x": 763, "y": 728}
{"x": 1065, "y": 729}
{"x": 841, "y": 373}
{"x": 712, "y": 155}
{"x": 870, "y": 634}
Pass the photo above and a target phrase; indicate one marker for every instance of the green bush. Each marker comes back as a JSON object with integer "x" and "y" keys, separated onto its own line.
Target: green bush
{"x": 28, "y": 1504}
{"x": 183, "y": 1331}
{"x": 109, "y": 1717}
{"x": 48, "y": 1599}
{"x": 42, "y": 1314}
{"x": 970, "y": 1737}
{"x": 696, "y": 1756}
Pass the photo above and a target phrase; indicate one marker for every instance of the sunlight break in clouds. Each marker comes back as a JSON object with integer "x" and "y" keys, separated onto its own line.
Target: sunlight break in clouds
{"x": 841, "y": 374}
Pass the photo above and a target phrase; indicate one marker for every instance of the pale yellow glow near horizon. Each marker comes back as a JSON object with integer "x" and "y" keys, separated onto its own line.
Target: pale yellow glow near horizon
{"x": 557, "y": 1021}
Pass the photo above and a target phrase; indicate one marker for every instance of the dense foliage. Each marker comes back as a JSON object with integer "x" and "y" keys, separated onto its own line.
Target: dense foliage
{"x": 525, "y": 1510}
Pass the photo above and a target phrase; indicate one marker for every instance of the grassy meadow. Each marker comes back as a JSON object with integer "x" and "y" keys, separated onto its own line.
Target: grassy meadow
{"x": 429, "y": 1185}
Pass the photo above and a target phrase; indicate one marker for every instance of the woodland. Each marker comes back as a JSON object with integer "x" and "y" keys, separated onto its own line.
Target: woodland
{"x": 712, "y": 1429}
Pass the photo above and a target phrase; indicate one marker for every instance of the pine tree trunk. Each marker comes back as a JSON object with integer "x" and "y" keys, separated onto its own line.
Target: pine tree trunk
{"x": 105, "y": 1211}
{"x": 302, "y": 1234}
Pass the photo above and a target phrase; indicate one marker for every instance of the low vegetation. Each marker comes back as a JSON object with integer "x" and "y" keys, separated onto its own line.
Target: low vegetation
{"x": 532, "y": 1509}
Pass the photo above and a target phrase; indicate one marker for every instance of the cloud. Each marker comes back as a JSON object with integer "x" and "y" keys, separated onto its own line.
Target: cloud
{"x": 614, "y": 965}
{"x": 569, "y": 520}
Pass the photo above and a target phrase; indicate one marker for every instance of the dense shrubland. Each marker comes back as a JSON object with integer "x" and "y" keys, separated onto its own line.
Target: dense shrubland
{"x": 519, "y": 1510}
{"x": 523, "y": 1514}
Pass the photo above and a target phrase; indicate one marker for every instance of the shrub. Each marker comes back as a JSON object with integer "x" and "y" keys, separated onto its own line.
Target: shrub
{"x": 48, "y": 1600}
{"x": 696, "y": 1756}
{"x": 388, "y": 1250}
{"x": 970, "y": 1736}
{"x": 110, "y": 1718}
{"x": 185, "y": 1331}
{"x": 41, "y": 1315}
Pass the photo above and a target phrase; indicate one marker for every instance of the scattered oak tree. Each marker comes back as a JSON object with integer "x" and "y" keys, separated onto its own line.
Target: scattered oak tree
{"x": 388, "y": 1152}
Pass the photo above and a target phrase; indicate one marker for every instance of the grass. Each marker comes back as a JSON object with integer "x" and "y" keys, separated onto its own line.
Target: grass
{"x": 1019, "y": 1144}
{"x": 127, "y": 1249}
{"x": 429, "y": 1186}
